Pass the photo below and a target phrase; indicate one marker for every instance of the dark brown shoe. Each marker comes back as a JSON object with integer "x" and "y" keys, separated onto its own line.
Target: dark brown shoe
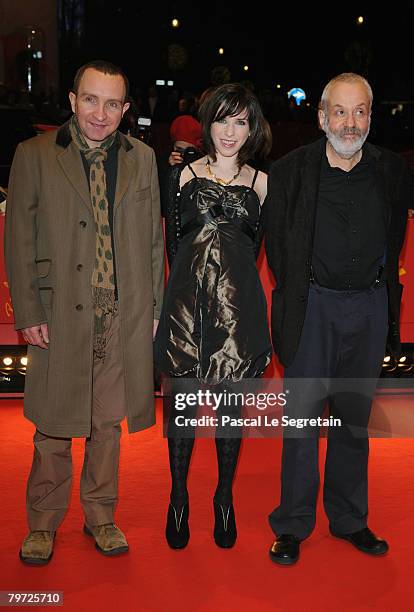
{"x": 37, "y": 547}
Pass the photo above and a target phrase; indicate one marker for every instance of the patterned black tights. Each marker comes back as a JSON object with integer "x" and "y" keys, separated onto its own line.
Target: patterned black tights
{"x": 180, "y": 450}
{"x": 228, "y": 440}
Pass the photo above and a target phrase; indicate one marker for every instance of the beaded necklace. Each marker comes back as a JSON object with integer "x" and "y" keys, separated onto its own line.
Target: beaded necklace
{"x": 218, "y": 180}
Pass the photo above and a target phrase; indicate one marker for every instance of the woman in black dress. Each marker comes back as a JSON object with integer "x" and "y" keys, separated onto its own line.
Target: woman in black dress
{"x": 213, "y": 326}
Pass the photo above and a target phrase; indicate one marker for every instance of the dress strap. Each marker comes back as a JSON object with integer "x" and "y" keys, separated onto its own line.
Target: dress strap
{"x": 254, "y": 178}
{"x": 189, "y": 166}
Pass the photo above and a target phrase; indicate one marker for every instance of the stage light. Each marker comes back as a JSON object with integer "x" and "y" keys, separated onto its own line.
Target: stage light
{"x": 399, "y": 367}
{"x": 175, "y": 23}
{"x": 278, "y": 86}
{"x": 406, "y": 364}
{"x": 12, "y": 369}
{"x": 221, "y": 51}
{"x": 245, "y": 67}
{"x": 360, "y": 20}
{"x": 389, "y": 365}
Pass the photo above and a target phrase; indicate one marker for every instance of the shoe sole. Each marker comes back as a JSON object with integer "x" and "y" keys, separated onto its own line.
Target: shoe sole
{"x": 283, "y": 561}
{"x": 360, "y": 548}
{"x": 108, "y": 553}
{"x": 35, "y": 560}
{"x": 175, "y": 546}
{"x": 221, "y": 545}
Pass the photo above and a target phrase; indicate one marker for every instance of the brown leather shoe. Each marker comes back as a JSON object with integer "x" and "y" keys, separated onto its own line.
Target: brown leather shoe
{"x": 109, "y": 539}
{"x": 37, "y": 547}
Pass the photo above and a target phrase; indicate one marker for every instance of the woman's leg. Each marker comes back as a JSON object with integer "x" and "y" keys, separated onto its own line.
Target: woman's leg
{"x": 228, "y": 441}
{"x": 180, "y": 448}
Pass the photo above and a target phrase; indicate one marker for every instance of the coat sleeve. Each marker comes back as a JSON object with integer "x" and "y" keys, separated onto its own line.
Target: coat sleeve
{"x": 20, "y": 241}
{"x": 273, "y": 221}
{"x": 157, "y": 242}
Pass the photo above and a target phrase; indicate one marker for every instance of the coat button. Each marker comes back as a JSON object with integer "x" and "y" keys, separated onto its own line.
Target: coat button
{"x": 82, "y": 223}
{"x": 79, "y": 267}
{"x": 79, "y": 307}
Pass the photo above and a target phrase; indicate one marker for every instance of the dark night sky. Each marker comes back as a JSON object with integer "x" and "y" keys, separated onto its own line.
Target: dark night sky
{"x": 291, "y": 45}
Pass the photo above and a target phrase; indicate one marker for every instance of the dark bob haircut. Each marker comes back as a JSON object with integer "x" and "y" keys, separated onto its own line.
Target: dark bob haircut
{"x": 228, "y": 101}
{"x": 104, "y": 67}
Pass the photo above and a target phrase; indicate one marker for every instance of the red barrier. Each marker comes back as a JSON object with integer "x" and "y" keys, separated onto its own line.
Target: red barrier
{"x": 407, "y": 279}
{"x": 7, "y": 333}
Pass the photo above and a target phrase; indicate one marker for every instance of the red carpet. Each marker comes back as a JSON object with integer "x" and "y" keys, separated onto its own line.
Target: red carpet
{"x": 330, "y": 575}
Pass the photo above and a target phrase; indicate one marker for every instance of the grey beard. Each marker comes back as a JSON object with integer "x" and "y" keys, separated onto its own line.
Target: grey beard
{"x": 344, "y": 149}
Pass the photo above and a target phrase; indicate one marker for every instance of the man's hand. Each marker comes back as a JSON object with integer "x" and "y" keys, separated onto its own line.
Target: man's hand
{"x": 154, "y": 328}
{"x": 175, "y": 158}
{"x": 38, "y": 335}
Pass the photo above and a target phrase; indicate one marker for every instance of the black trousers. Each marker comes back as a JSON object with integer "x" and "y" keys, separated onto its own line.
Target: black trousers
{"x": 343, "y": 337}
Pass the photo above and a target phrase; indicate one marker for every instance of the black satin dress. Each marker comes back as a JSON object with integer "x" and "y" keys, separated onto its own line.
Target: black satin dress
{"x": 213, "y": 324}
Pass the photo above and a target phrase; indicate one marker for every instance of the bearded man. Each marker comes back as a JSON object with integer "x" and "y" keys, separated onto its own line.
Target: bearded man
{"x": 335, "y": 220}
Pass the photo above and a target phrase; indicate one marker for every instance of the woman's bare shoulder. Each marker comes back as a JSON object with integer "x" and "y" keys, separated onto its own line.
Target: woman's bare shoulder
{"x": 187, "y": 174}
{"x": 260, "y": 184}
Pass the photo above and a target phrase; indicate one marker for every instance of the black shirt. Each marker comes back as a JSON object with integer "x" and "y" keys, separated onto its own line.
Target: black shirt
{"x": 350, "y": 227}
{"x": 111, "y": 169}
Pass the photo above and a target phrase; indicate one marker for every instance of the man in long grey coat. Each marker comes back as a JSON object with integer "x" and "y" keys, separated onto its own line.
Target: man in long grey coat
{"x": 84, "y": 254}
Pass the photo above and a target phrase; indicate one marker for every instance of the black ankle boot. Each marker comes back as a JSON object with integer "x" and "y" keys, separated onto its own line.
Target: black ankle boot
{"x": 225, "y": 532}
{"x": 177, "y": 531}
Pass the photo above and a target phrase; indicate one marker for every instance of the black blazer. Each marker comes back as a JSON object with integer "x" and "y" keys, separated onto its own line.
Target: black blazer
{"x": 289, "y": 215}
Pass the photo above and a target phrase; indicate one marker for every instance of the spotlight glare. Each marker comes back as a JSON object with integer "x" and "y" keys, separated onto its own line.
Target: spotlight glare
{"x": 7, "y": 361}
{"x": 23, "y": 361}
{"x": 387, "y": 359}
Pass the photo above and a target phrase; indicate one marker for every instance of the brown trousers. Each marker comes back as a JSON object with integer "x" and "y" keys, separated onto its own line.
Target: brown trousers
{"x": 50, "y": 480}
